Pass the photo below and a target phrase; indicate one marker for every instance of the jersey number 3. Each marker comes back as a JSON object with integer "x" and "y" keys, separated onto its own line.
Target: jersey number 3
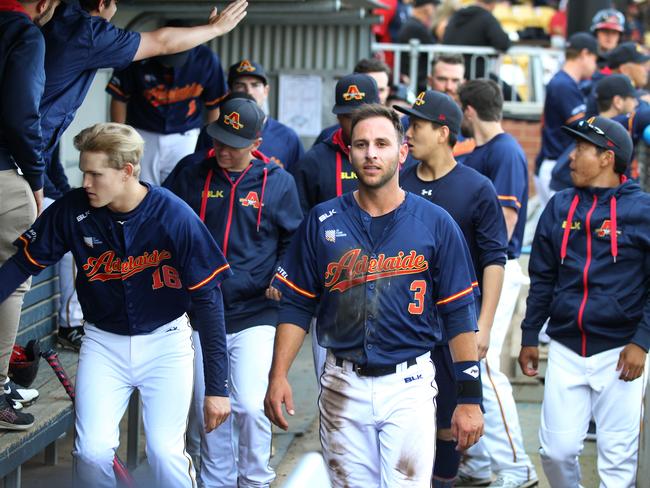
{"x": 170, "y": 278}
{"x": 419, "y": 288}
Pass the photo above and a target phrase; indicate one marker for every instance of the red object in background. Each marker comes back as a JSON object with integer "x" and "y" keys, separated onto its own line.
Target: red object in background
{"x": 558, "y": 24}
{"x": 381, "y": 30}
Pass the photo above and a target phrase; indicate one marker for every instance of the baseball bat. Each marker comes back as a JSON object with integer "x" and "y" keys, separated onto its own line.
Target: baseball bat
{"x": 119, "y": 468}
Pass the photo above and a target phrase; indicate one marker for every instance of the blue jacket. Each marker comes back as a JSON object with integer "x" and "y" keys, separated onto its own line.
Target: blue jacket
{"x": 22, "y": 77}
{"x": 590, "y": 270}
{"x": 253, "y": 219}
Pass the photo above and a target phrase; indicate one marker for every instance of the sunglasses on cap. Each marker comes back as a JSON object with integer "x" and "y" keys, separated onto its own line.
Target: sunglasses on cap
{"x": 584, "y": 126}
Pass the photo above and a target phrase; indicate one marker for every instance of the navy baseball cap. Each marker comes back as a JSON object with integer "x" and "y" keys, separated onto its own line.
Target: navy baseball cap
{"x": 239, "y": 124}
{"x": 354, "y": 90}
{"x": 626, "y": 52}
{"x": 604, "y": 133}
{"x": 582, "y": 40}
{"x": 613, "y": 85}
{"x": 436, "y": 107}
{"x": 246, "y": 68}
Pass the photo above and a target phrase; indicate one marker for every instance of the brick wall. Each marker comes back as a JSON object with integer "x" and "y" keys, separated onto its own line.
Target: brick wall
{"x": 528, "y": 133}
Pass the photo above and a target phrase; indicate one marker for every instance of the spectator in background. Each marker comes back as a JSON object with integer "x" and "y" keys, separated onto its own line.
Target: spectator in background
{"x": 607, "y": 25}
{"x": 634, "y": 29}
{"x": 630, "y": 59}
{"x": 418, "y": 26}
{"x": 476, "y": 26}
{"x": 563, "y": 105}
{"x": 21, "y": 163}
{"x": 162, "y": 98}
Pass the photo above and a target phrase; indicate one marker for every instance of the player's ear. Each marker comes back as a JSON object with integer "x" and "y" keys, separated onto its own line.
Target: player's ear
{"x": 129, "y": 170}
{"x": 256, "y": 144}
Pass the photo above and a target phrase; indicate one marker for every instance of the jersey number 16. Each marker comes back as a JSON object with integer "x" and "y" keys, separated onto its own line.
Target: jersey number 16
{"x": 170, "y": 278}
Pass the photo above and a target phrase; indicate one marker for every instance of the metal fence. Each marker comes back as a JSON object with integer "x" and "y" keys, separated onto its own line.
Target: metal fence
{"x": 526, "y": 69}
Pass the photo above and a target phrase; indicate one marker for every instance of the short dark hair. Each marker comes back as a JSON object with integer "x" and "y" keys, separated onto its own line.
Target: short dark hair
{"x": 484, "y": 96}
{"x": 620, "y": 167}
{"x": 90, "y": 5}
{"x": 370, "y": 110}
{"x": 448, "y": 58}
{"x": 604, "y": 104}
{"x": 371, "y": 65}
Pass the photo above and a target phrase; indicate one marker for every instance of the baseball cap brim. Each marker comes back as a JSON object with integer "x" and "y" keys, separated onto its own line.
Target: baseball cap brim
{"x": 411, "y": 112}
{"x": 228, "y": 138}
{"x": 592, "y": 137}
{"x": 233, "y": 78}
{"x": 609, "y": 26}
{"x": 344, "y": 109}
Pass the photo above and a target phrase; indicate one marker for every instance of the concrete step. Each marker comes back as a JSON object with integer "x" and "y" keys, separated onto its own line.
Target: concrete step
{"x": 529, "y": 390}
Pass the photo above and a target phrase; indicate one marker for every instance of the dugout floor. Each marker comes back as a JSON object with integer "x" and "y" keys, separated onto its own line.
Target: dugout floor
{"x": 301, "y": 438}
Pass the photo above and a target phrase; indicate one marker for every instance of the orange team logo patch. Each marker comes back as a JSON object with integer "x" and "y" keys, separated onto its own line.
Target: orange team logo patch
{"x": 354, "y": 269}
{"x": 605, "y": 229}
{"x": 251, "y": 200}
{"x": 233, "y": 120}
{"x": 353, "y": 93}
{"x": 245, "y": 67}
{"x": 420, "y": 99}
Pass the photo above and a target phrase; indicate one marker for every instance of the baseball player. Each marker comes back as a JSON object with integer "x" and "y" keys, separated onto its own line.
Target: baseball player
{"x": 22, "y": 50}
{"x": 470, "y": 199}
{"x": 280, "y": 143}
{"x": 252, "y": 208}
{"x": 564, "y": 104}
{"x": 499, "y": 157}
{"x": 378, "y": 71}
{"x": 144, "y": 257}
{"x": 162, "y": 98}
{"x": 589, "y": 277}
{"x": 377, "y": 284}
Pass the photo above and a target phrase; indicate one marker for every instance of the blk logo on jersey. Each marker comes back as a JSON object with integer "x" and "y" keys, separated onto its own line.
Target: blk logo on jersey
{"x": 420, "y": 99}
{"x": 245, "y": 67}
{"x": 108, "y": 267}
{"x": 233, "y": 121}
{"x": 348, "y": 175}
{"x": 355, "y": 269}
{"x": 327, "y": 215}
{"x": 605, "y": 230}
{"x": 575, "y": 225}
{"x": 251, "y": 200}
{"x": 353, "y": 93}
{"x": 213, "y": 194}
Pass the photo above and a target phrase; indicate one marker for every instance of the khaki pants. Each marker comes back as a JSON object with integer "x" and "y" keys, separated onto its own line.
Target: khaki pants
{"x": 17, "y": 213}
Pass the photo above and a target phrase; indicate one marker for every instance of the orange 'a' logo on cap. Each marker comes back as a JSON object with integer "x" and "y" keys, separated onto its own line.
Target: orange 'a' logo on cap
{"x": 590, "y": 120}
{"x": 420, "y": 99}
{"x": 353, "y": 93}
{"x": 245, "y": 66}
{"x": 233, "y": 121}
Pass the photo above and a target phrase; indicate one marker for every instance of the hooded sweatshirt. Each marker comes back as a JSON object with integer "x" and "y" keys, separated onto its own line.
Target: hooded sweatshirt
{"x": 324, "y": 172}
{"x": 590, "y": 270}
{"x": 252, "y": 216}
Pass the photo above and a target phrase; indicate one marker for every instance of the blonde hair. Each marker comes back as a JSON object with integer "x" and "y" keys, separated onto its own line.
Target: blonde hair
{"x": 121, "y": 143}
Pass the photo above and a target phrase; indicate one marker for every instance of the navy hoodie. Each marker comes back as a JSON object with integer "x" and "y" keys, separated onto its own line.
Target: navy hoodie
{"x": 590, "y": 270}
{"x": 252, "y": 216}
{"x": 324, "y": 172}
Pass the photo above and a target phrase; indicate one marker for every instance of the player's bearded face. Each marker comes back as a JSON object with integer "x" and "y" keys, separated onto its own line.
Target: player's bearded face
{"x": 375, "y": 152}
{"x": 103, "y": 184}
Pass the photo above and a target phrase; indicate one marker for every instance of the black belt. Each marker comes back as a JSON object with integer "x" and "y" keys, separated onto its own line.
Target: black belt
{"x": 365, "y": 370}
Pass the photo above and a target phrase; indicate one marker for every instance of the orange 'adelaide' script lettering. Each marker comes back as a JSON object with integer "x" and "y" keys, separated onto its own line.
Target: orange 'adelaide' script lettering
{"x": 108, "y": 267}
{"x": 353, "y": 269}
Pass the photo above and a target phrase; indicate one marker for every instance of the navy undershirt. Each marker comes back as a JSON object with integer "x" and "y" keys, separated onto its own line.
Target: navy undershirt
{"x": 378, "y": 224}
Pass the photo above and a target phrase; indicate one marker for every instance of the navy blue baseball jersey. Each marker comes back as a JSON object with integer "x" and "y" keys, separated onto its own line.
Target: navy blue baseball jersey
{"x": 503, "y": 161}
{"x": 137, "y": 271}
{"x": 77, "y": 45}
{"x": 470, "y": 199}
{"x": 168, "y": 100}
{"x": 253, "y": 215}
{"x": 564, "y": 104}
{"x": 377, "y": 298}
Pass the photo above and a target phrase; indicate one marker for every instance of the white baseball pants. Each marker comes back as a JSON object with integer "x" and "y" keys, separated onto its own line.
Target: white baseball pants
{"x": 111, "y": 366}
{"x": 543, "y": 181}
{"x": 318, "y": 351}
{"x": 162, "y": 152}
{"x": 379, "y": 431}
{"x": 576, "y": 389}
{"x": 501, "y": 449}
{"x": 238, "y": 452}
